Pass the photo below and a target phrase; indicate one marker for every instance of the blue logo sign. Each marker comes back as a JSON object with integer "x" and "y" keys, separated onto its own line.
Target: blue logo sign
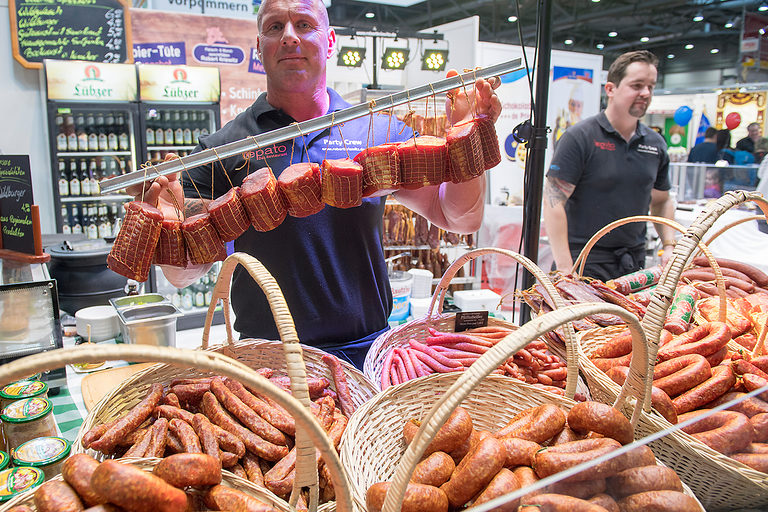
{"x": 510, "y": 147}
{"x": 254, "y": 64}
{"x": 218, "y": 54}
{"x": 173, "y": 54}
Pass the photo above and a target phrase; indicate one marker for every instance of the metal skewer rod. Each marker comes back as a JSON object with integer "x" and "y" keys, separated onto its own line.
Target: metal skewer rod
{"x": 292, "y": 131}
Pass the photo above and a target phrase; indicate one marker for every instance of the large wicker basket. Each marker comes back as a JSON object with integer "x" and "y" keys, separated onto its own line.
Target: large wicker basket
{"x": 374, "y": 450}
{"x": 719, "y": 482}
{"x": 418, "y": 328}
{"x": 288, "y": 355}
{"x": 211, "y": 362}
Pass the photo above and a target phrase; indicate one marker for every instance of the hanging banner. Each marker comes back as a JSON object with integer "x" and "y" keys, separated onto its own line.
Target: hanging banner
{"x": 89, "y": 81}
{"x": 178, "y": 83}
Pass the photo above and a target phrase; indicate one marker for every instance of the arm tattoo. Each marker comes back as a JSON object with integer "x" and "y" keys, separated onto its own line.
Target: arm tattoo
{"x": 193, "y": 207}
{"x": 557, "y": 191}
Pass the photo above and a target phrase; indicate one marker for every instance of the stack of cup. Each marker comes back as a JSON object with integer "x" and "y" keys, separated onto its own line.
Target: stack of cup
{"x": 421, "y": 291}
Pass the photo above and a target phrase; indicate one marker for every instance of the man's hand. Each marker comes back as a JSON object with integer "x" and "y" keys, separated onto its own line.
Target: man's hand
{"x": 482, "y": 97}
{"x": 165, "y": 192}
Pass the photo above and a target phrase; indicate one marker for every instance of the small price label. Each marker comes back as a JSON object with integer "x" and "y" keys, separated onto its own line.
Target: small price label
{"x": 470, "y": 320}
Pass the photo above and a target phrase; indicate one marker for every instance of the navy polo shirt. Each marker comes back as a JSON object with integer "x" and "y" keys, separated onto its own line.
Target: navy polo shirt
{"x": 613, "y": 180}
{"x": 330, "y": 266}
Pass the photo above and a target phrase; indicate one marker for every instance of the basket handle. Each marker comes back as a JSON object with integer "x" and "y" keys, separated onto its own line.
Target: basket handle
{"x": 208, "y": 361}
{"x": 581, "y": 260}
{"x": 306, "y": 466}
{"x": 571, "y": 352}
{"x": 483, "y": 367}
{"x": 661, "y": 299}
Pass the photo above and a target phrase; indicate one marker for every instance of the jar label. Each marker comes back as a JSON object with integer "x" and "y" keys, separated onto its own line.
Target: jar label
{"x": 41, "y": 451}
{"x": 23, "y": 389}
{"x": 26, "y": 410}
{"x": 16, "y": 480}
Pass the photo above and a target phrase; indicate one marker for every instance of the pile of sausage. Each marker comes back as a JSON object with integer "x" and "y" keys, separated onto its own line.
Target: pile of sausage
{"x": 179, "y": 483}
{"x": 469, "y": 149}
{"x": 249, "y": 433}
{"x": 451, "y": 352}
{"x": 464, "y": 466}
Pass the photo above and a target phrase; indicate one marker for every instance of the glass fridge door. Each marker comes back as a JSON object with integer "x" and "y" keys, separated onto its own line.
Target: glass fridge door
{"x": 175, "y": 128}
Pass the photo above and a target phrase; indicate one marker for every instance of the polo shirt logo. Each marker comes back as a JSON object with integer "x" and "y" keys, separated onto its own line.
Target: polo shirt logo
{"x": 644, "y": 148}
{"x": 268, "y": 152}
{"x": 608, "y": 146}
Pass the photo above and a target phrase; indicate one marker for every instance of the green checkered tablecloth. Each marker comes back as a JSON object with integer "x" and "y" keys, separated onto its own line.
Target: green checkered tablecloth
{"x": 68, "y": 416}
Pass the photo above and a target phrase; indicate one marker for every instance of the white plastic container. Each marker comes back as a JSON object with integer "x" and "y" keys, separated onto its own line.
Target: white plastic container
{"x": 476, "y": 300}
{"x": 401, "y": 293}
{"x": 103, "y": 321}
{"x": 422, "y": 283}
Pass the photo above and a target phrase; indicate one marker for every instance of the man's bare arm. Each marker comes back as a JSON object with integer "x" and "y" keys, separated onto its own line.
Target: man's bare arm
{"x": 556, "y": 193}
{"x": 662, "y": 205}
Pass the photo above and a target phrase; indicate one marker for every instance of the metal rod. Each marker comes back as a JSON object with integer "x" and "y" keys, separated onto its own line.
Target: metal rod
{"x": 295, "y": 130}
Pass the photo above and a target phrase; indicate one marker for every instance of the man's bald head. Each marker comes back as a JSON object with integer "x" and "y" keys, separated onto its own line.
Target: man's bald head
{"x": 316, "y": 5}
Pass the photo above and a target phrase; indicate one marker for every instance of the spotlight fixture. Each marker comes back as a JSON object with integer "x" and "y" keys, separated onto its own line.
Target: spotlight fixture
{"x": 595, "y": 1}
{"x": 434, "y": 60}
{"x": 729, "y": 24}
{"x": 689, "y": 46}
{"x": 763, "y": 7}
{"x": 645, "y": 39}
{"x": 714, "y": 50}
{"x": 612, "y": 34}
{"x": 599, "y": 46}
{"x": 512, "y": 19}
{"x": 370, "y": 15}
{"x": 568, "y": 41}
{"x": 351, "y": 57}
{"x": 761, "y": 30}
{"x": 670, "y": 55}
{"x": 698, "y": 17}
{"x": 394, "y": 58}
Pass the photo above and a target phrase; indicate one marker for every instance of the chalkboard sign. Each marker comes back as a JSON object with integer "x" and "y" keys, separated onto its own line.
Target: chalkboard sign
{"x": 89, "y": 30}
{"x": 16, "y": 219}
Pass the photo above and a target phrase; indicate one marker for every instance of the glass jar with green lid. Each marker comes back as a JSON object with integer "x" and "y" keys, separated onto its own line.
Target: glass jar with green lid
{"x": 47, "y": 453}
{"x": 4, "y": 460}
{"x": 15, "y": 481}
{"x": 22, "y": 389}
{"x": 27, "y": 419}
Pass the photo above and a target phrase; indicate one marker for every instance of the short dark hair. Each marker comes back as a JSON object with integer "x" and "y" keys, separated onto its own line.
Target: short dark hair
{"x": 710, "y": 132}
{"x": 754, "y": 123}
{"x": 618, "y": 69}
{"x": 723, "y": 139}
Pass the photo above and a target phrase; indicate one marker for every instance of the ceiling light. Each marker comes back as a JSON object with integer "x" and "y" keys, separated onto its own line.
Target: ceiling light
{"x": 645, "y": 39}
{"x": 761, "y": 30}
{"x": 670, "y": 55}
{"x": 689, "y": 46}
{"x": 599, "y": 46}
{"x": 394, "y": 58}
{"x": 763, "y": 7}
{"x": 568, "y": 41}
{"x": 351, "y": 57}
{"x": 512, "y": 19}
{"x": 714, "y": 50}
{"x": 729, "y": 24}
{"x": 595, "y": 1}
{"x": 698, "y": 17}
{"x": 369, "y": 15}
{"x": 612, "y": 34}
{"x": 434, "y": 60}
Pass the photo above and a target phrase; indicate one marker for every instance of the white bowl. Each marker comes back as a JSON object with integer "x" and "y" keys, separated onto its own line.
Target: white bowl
{"x": 103, "y": 321}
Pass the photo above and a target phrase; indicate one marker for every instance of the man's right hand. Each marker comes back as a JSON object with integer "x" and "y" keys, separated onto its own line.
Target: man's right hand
{"x": 165, "y": 192}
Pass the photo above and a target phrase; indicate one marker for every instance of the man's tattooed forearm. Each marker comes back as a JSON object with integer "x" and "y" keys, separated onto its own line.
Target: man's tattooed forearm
{"x": 193, "y": 207}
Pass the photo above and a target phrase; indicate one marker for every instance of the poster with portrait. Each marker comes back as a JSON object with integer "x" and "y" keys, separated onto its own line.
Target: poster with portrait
{"x": 749, "y": 105}
{"x": 570, "y": 87}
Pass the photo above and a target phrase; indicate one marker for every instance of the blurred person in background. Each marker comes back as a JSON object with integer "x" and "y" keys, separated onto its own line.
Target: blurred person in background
{"x": 705, "y": 152}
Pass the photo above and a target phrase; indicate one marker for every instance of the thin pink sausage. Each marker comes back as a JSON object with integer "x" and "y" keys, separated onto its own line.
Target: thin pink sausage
{"x": 435, "y": 364}
{"x": 386, "y": 381}
{"x": 433, "y": 354}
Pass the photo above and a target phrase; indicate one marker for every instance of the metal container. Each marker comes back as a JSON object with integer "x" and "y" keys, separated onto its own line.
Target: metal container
{"x": 150, "y": 324}
{"x": 137, "y": 300}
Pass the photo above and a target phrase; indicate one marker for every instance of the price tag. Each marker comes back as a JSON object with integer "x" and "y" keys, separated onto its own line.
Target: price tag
{"x": 470, "y": 320}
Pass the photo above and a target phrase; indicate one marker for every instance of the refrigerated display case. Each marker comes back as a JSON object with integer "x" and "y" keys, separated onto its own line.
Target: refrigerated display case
{"x": 177, "y": 105}
{"x": 93, "y": 121}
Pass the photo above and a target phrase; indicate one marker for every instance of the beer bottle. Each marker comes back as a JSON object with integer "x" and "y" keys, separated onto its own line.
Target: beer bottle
{"x": 63, "y": 179}
{"x": 77, "y": 227}
{"x": 82, "y": 135}
{"x": 112, "y": 142}
{"x": 74, "y": 179}
{"x": 187, "y": 130}
{"x": 85, "y": 179}
{"x": 93, "y": 229}
{"x": 178, "y": 131}
{"x": 168, "y": 134}
{"x": 65, "y": 227}
{"x": 195, "y": 127}
{"x": 90, "y": 129}
{"x": 123, "y": 141}
{"x": 204, "y": 123}
{"x": 61, "y": 136}
{"x": 101, "y": 132}
{"x": 69, "y": 126}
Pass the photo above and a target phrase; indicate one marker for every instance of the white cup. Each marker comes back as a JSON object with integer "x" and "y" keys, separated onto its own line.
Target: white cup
{"x": 422, "y": 283}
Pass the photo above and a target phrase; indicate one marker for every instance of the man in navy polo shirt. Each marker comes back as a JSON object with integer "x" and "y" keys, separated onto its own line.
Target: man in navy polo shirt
{"x": 608, "y": 167}
{"x": 330, "y": 266}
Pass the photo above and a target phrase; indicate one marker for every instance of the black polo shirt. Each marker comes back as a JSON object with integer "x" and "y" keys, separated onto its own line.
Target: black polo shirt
{"x": 330, "y": 265}
{"x": 613, "y": 180}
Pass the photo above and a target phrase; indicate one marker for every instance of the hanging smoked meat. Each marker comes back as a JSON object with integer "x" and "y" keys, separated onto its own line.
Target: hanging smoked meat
{"x": 203, "y": 242}
{"x": 465, "y": 154}
{"x": 342, "y": 183}
{"x": 423, "y": 162}
{"x": 262, "y": 200}
{"x": 301, "y": 188}
{"x": 134, "y": 247}
{"x": 171, "y": 249}
{"x": 381, "y": 170}
{"x": 228, "y": 215}
{"x": 489, "y": 141}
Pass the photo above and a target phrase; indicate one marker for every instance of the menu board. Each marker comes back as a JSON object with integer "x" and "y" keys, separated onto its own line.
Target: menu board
{"x": 87, "y": 30}
{"x": 16, "y": 219}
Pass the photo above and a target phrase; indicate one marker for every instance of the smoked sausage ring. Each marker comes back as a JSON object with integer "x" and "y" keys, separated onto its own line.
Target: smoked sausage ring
{"x": 705, "y": 339}
{"x": 535, "y": 424}
{"x": 724, "y": 431}
{"x": 601, "y": 418}
{"x": 682, "y": 373}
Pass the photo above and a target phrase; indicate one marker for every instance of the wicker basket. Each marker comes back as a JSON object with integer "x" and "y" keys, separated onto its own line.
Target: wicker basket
{"x": 373, "y": 443}
{"x": 418, "y": 328}
{"x": 288, "y": 355}
{"x": 211, "y": 362}
{"x": 718, "y": 481}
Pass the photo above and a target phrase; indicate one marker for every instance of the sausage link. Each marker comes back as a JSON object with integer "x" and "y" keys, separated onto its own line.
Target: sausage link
{"x": 172, "y": 443}
{"x": 158, "y": 433}
{"x": 760, "y": 427}
{"x": 195, "y": 380}
{"x": 170, "y": 412}
{"x": 535, "y": 424}
{"x": 659, "y": 500}
{"x": 605, "y": 501}
{"x": 520, "y": 452}
{"x": 619, "y": 345}
{"x": 186, "y": 435}
{"x": 139, "y": 448}
{"x": 238, "y": 470}
{"x": 171, "y": 399}
{"x": 57, "y": 496}
{"x": 451, "y": 435}
{"x": 475, "y": 471}
{"x": 757, "y": 461}
{"x": 340, "y": 383}
{"x": 276, "y": 417}
{"x": 565, "y": 436}
{"x": 749, "y": 406}
{"x": 280, "y": 478}
{"x": 581, "y": 490}
{"x": 189, "y": 470}
{"x": 526, "y": 476}
{"x": 753, "y": 382}
{"x": 554, "y": 459}
{"x": 250, "y": 463}
{"x": 245, "y": 414}
{"x": 418, "y": 498}
{"x": 723, "y": 431}
{"x": 721, "y": 381}
{"x": 316, "y": 385}
{"x": 503, "y": 483}
{"x": 559, "y": 503}
{"x": 644, "y": 478}
{"x": 755, "y": 274}
{"x": 435, "y": 470}
{"x": 601, "y": 418}
{"x": 221, "y": 497}
{"x": 756, "y": 448}
{"x": 677, "y": 375}
{"x": 659, "y": 399}
{"x": 129, "y": 422}
{"x": 229, "y": 442}
{"x": 77, "y": 471}
{"x": 705, "y": 339}
{"x": 191, "y": 394}
{"x": 204, "y": 430}
{"x": 136, "y": 490}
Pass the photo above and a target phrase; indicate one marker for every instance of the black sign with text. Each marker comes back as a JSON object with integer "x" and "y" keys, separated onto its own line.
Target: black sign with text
{"x": 470, "y": 320}
{"x": 89, "y": 30}
{"x": 16, "y": 204}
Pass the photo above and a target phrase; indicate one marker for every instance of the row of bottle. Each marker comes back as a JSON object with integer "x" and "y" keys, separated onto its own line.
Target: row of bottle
{"x": 176, "y": 127}
{"x": 93, "y": 219}
{"x": 198, "y": 294}
{"x": 88, "y": 131}
{"x": 83, "y": 179}
{"x": 158, "y": 156}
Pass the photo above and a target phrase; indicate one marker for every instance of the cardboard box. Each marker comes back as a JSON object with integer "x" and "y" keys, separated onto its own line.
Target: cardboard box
{"x": 476, "y": 300}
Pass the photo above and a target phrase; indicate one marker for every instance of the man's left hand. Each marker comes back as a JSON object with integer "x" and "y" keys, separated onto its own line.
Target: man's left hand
{"x": 482, "y": 97}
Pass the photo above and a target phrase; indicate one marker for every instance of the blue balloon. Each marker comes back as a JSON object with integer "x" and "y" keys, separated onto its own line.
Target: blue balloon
{"x": 683, "y": 115}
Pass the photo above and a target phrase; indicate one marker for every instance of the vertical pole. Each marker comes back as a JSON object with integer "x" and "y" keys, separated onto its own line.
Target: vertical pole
{"x": 535, "y": 163}
{"x": 375, "y": 84}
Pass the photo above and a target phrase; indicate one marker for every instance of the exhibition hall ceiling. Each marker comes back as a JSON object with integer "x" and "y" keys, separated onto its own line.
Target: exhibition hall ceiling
{"x": 686, "y": 35}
